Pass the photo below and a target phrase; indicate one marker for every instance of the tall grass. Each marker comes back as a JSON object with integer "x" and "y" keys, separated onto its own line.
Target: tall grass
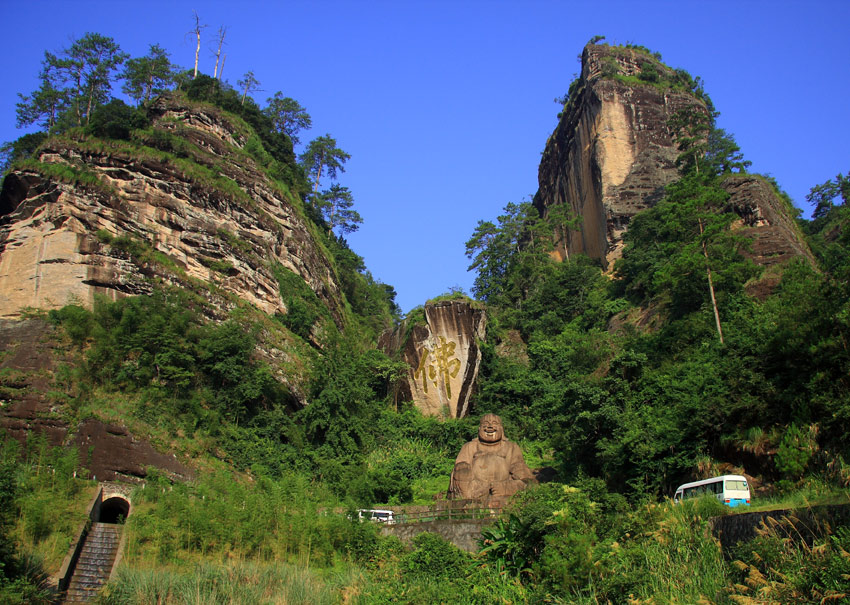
{"x": 247, "y": 583}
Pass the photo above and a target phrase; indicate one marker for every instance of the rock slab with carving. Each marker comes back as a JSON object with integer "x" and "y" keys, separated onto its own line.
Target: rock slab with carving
{"x": 442, "y": 355}
{"x": 489, "y": 469}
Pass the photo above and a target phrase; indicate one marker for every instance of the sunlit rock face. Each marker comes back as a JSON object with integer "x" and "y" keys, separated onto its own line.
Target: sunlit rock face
{"x": 610, "y": 155}
{"x": 55, "y": 235}
{"x": 443, "y": 357}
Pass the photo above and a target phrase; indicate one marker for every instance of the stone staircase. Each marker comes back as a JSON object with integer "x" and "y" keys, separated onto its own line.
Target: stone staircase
{"x": 95, "y": 562}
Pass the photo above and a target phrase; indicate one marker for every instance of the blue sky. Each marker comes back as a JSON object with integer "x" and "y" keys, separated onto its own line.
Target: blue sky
{"x": 445, "y": 106}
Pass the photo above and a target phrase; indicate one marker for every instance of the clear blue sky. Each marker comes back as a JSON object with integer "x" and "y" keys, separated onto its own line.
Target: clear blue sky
{"x": 445, "y": 106}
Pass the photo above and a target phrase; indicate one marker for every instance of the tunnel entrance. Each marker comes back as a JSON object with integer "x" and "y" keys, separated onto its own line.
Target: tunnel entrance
{"x": 114, "y": 510}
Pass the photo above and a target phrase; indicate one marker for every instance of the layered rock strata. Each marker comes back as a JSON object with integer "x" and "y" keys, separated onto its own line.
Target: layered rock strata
{"x": 442, "y": 355}
{"x": 215, "y": 219}
{"x": 767, "y": 220}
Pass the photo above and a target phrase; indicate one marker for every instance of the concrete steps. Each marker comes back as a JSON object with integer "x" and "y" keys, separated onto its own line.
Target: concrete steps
{"x": 95, "y": 563}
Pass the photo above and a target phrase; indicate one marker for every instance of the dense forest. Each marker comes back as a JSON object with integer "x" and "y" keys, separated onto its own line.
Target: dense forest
{"x": 678, "y": 363}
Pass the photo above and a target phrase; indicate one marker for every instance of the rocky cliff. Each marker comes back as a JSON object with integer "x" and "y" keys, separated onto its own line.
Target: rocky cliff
{"x": 442, "y": 355}
{"x": 766, "y": 219}
{"x": 611, "y": 154}
{"x": 114, "y": 218}
{"x": 184, "y": 203}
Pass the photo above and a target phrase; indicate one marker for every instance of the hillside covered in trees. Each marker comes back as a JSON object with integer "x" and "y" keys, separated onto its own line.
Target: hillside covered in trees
{"x": 228, "y": 324}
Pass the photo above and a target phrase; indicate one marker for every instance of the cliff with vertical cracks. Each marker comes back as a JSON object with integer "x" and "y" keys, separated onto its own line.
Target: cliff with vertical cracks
{"x": 442, "y": 355}
{"x": 612, "y": 154}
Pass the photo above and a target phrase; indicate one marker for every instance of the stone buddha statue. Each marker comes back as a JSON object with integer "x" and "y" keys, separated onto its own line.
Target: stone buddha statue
{"x": 490, "y": 469}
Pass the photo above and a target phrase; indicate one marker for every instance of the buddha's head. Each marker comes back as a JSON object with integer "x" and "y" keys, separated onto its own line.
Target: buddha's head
{"x": 490, "y": 429}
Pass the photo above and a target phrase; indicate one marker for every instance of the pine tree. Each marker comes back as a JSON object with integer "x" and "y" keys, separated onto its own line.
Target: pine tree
{"x": 323, "y": 158}
{"x": 336, "y": 204}
{"x": 149, "y": 75}
{"x": 287, "y": 116}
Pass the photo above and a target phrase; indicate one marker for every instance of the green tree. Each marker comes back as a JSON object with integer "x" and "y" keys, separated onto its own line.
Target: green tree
{"x": 150, "y": 75}
{"x": 8, "y": 508}
{"x": 335, "y": 205}
{"x": 20, "y": 149}
{"x": 499, "y": 250}
{"x": 323, "y": 158}
{"x": 287, "y": 116}
{"x": 45, "y": 104}
{"x": 722, "y": 154}
{"x": 690, "y": 128}
{"x": 823, "y": 197}
{"x": 90, "y": 64}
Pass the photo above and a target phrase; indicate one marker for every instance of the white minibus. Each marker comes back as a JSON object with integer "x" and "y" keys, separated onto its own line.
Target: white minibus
{"x": 731, "y": 490}
{"x": 377, "y": 515}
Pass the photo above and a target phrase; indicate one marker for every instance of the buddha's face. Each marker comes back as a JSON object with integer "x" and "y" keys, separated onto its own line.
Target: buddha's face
{"x": 490, "y": 429}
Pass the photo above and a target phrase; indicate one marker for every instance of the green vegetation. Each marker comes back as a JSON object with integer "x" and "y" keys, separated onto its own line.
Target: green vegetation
{"x": 141, "y": 251}
{"x": 66, "y": 173}
{"x": 41, "y": 510}
{"x": 624, "y": 384}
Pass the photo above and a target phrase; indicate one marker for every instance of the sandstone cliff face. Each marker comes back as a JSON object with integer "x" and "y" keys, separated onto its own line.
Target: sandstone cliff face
{"x": 442, "y": 355}
{"x": 611, "y": 154}
{"x": 224, "y": 225}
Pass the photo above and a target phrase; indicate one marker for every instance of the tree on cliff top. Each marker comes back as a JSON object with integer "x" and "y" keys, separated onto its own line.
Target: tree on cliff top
{"x": 248, "y": 83}
{"x": 823, "y": 197}
{"x": 79, "y": 78}
{"x": 91, "y": 62}
{"x": 150, "y": 75}
{"x": 48, "y": 102}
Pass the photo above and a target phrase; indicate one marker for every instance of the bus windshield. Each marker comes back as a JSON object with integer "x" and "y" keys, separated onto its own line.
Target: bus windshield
{"x": 736, "y": 485}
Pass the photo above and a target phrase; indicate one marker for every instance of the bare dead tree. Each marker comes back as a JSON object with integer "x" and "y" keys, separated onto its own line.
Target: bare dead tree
{"x": 222, "y": 31}
{"x": 197, "y": 32}
{"x": 220, "y": 71}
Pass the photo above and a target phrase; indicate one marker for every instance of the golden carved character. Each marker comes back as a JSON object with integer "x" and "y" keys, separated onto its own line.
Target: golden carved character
{"x": 443, "y": 364}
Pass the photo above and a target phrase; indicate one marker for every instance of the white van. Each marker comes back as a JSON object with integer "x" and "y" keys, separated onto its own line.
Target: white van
{"x": 376, "y": 515}
{"x": 731, "y": 490}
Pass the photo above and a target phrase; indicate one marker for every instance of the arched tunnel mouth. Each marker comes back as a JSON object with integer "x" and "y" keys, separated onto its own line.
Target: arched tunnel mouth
{"x": 114, "y": 510}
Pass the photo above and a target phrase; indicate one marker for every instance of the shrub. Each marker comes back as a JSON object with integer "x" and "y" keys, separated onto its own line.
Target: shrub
{"x": 435, "y": 557}
{"x": 116, "y": 120}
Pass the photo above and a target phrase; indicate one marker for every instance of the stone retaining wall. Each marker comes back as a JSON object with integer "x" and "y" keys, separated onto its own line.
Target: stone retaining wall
{"x": 463, "y": 533}
{"x": 807, "y": 523}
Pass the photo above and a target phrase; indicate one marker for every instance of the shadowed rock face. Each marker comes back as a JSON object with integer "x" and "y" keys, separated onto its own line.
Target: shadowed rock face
{"x": 766, "y": 220}
{"x": 52, "y": 234}
{"x": 28, "y": 359}
{"x": 442, "y": 355}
